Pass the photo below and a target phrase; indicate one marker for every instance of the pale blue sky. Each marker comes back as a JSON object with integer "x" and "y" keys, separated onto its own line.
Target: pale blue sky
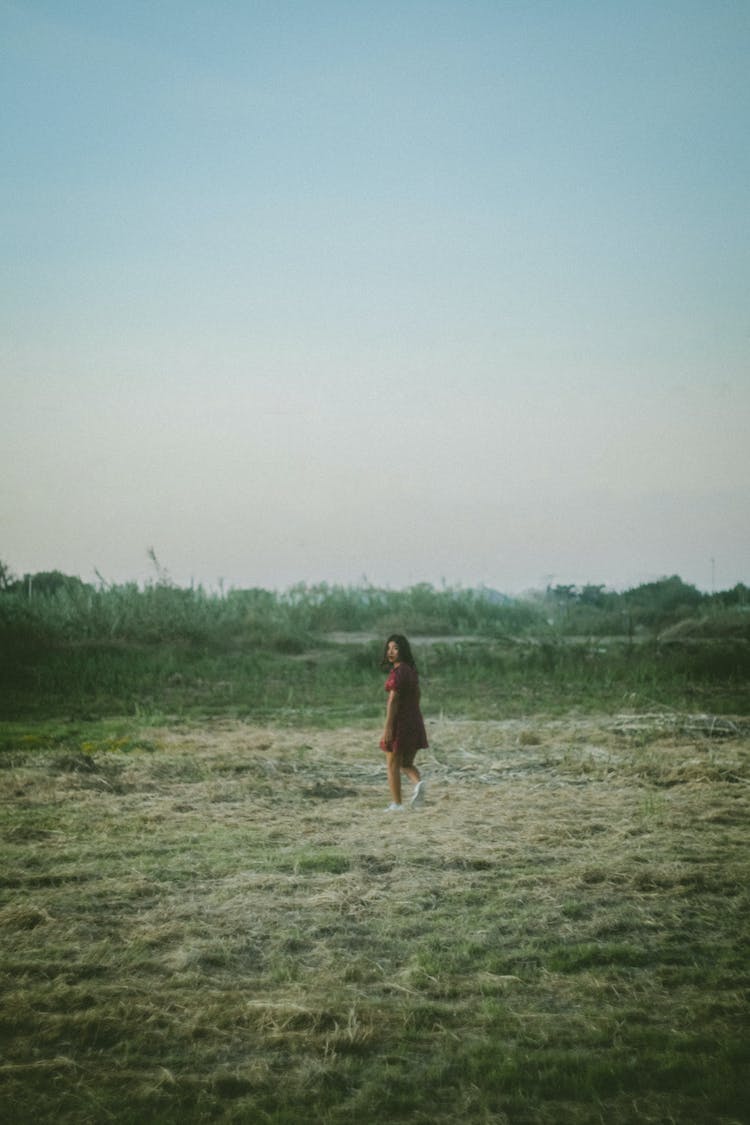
{"x": 412, "y": 291}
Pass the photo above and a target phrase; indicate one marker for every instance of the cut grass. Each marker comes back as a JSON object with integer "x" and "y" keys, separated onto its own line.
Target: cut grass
{"x": 218, "y": 922}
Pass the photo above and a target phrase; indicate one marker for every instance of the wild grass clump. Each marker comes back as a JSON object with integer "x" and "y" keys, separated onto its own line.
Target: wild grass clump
{"x": 224, "y": 925}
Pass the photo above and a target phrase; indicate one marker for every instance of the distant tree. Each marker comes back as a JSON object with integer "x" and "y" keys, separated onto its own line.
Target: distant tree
{"x": 666, "y": 597}
{"x": 594, "y": 596}
{"x": 738, "y": 595}
{"x": 48, "y": 582}
{"x": 7, "y": 578}
{"x": 562, "y": 597}
{"x": 563, "y": 594}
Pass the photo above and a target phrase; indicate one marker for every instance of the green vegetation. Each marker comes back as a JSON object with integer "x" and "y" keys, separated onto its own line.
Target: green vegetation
{"x": 312, "y": 653}
{"x": 206, "y": 916}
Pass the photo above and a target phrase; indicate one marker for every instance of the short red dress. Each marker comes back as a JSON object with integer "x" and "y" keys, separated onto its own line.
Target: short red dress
{"x": 409, "y": 734}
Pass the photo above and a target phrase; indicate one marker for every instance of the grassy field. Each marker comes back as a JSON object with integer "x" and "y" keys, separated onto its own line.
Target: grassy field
{"x": 212, "y": 919}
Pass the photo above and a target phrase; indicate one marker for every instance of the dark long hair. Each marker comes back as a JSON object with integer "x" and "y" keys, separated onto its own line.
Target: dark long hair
{"x": 404, "y": 651}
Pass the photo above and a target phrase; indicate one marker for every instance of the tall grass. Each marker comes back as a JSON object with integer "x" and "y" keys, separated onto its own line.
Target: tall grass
{"x": 162, "y": 611}
{"x": 66, "y": 608}
{"x": 162, "y": 648}
{"x": 327, "y": 683}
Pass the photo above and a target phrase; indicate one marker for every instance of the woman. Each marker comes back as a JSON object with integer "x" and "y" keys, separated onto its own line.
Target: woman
{"x": 404, "y": 732}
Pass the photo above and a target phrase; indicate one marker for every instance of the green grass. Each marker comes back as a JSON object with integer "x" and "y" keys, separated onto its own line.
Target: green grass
{"x": 331, "y": 683}
{"x": 214, "y": 921}
{"x": 86, "y": 653}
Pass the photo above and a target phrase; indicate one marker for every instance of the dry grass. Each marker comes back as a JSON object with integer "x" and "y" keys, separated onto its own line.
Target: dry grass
{"x": 227, "y": 927}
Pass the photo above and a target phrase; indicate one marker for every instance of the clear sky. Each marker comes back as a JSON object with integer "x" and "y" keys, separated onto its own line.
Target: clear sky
{"x": 319, "y": 290}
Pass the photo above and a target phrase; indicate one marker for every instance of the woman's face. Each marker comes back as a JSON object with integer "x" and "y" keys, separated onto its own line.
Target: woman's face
{"x": 392, "y": 652}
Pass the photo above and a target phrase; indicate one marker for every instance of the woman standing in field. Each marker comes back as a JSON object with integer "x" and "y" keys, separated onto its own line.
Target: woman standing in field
{"x": 404, "y": 731}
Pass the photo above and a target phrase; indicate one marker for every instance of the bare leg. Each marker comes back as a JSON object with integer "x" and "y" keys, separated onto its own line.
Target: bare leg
{"x": 394, "y": 775}
{"x": 412, "y": 773}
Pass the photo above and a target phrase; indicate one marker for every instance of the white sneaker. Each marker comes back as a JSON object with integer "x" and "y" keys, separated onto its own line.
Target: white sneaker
{"x": 420, "y": 789}
{"x": 393, "y": 807}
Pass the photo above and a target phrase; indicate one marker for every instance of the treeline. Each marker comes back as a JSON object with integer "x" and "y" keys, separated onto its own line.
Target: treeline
{"x": 50, "y": 607}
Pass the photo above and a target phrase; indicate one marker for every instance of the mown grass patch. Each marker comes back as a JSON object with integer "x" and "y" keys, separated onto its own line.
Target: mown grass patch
{"x": 222, "y": 924}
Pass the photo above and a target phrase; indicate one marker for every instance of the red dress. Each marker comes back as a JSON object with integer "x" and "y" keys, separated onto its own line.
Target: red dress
{"x": 409, "y": 734}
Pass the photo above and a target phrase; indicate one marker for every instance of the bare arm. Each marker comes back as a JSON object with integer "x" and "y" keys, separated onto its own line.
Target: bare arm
{"x": 390, "y": 716}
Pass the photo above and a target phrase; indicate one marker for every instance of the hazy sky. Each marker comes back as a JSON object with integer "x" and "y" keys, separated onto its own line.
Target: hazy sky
{"x": 417, "y": 291}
